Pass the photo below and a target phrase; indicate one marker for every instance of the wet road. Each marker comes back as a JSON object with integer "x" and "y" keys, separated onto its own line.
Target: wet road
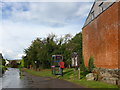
{"x": 11, "y": 79}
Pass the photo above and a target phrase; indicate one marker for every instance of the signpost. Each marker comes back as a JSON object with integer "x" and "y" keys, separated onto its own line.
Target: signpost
{"x": 76, "y": 64}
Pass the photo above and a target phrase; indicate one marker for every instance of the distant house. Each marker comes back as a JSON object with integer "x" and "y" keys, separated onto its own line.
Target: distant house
{"x": 101, "y": 35}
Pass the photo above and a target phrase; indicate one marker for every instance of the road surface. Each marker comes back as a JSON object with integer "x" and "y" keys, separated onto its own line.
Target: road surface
{"x": 11, "y": 79}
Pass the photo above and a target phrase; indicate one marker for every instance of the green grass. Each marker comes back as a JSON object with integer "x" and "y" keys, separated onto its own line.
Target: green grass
{"x": 69, "y": 76}
{"x": 42, "y": 73}
{"x": 94, "y": 84}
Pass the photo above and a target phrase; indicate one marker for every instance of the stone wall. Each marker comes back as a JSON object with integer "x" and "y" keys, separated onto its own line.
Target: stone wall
{"x": 105, "y": 75}
{"x": 109, "y": 75}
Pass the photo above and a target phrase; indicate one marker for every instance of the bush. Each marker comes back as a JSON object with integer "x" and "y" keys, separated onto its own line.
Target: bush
{"x": 2, "y": 69}
{"x": 82, "y": 66}
{"x": 91, "y": 64}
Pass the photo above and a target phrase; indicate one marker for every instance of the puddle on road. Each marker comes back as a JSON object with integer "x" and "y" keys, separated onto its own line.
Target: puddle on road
{"x": 12, "y": 78}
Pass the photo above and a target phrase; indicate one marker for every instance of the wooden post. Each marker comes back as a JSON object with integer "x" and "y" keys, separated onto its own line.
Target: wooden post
{"x": 74, "y": 73}
{"x": 79, "y": 73}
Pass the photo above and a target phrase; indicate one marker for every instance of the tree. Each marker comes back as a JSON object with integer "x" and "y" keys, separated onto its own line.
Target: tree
{"x": 41, "y": 50}
{"x": 2, "y": 60}
{"x": 91, "y": 64}
{"x": 82, "y": 66}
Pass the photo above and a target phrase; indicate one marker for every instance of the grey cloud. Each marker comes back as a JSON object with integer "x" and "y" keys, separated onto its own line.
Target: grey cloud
{"x": 51, "y": 14}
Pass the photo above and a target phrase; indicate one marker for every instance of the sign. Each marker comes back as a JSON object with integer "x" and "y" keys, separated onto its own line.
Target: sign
{"x": 75, "y": 61}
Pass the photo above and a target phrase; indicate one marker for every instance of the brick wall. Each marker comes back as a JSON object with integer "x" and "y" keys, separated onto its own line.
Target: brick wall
{"x": 119, "y": 36}
{"x": 100, "y": 39}
{"x": 119, "y": 43}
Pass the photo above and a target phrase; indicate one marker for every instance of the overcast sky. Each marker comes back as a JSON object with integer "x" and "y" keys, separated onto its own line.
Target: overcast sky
{"x": 23, "y": 22}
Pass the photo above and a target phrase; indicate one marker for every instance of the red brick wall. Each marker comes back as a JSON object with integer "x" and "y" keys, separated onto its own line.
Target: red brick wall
{"x": 119, "y": 36}
{"x": 100, "y": 39}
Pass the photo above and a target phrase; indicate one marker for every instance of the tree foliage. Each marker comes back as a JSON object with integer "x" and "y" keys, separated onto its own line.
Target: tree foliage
{"x": 2, "y": 64}
{"x": 82, "y": 66}
{"x": 91, "y": 64}
{"x": 2, "y": 60}
{"x": 41, "y": 50}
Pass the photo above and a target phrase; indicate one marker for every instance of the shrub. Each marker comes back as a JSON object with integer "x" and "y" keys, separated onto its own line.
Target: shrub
{"x": 82, "y": 66}
{"x": 91, "y": 64}
{"x": 2, "y": 69}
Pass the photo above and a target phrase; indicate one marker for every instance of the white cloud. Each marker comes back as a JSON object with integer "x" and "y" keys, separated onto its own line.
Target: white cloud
{"x": 20, "y": 27}
{"x": 49, "y": 0}
{"x": 83, "y": 12}
{"x": 17, "y": 36}
{"x": 58, "y": 0}
{"x": 20, "y": 55}
{"x": 48, "y": 13}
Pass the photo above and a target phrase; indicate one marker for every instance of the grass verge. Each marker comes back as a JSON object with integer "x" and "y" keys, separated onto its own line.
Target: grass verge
{"x": 69, "y": 76}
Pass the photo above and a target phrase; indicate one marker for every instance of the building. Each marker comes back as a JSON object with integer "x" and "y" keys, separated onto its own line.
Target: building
{"x": 101, "y": 35}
